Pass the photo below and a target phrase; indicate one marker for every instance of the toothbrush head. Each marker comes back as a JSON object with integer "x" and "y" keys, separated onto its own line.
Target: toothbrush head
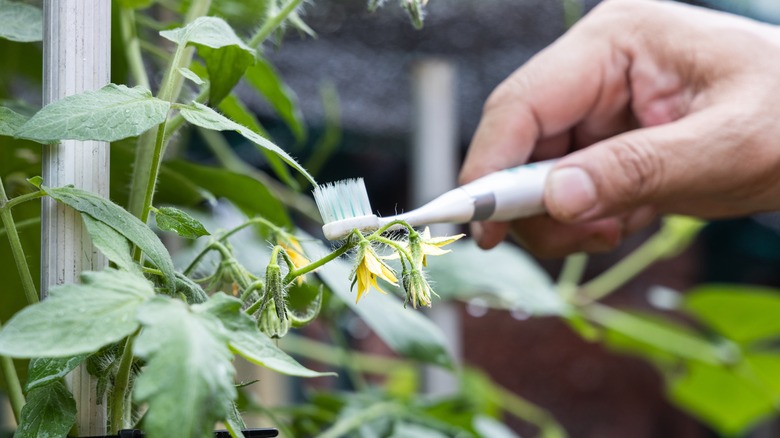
{"x": 344, "y": 206}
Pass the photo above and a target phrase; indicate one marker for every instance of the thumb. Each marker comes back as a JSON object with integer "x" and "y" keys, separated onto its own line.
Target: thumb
{"x": 642, "y": 167}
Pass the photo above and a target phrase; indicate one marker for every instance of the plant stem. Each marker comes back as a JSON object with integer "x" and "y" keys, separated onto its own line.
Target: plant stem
{"x": 623, "y": 271}
{"x": 571, "y": 274}
{"x": 28, "y": 285}
{"x": 248, "y": 222}
{"x": 14, "y": 387}
{"x": 119, "y": 410}
{"x": 314, "y": 265}
{"x": 348, "y": 424}
{"x": 22, "y": 199}
{"x": 272, "y": 23}
{"x": 525, "y": 410}
{"x": 151, "y": 145}
{"x": 132, "y": 46}
{"x": 328, "y": 354}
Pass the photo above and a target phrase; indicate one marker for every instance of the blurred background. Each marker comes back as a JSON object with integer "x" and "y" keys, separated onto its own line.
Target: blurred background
{"x": 365, "y": 83}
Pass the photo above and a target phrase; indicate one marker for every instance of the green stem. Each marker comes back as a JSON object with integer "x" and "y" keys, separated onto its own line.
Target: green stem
{"x": 623, "y": 271}
{"x": 348, "y": 424}
{"x": 28, "y": 285}
{"x": 249, "y": 222}
{"x": 527, "y": 411}
{"x": 132, "y": 46}
{"x": 255, "y": 285}
{"x": 292, "y": 275}
{"x": 272, "y": 23}
{"x": 119, "y": 410}
{"x": 151, "y": 145}
{"x": 388, "y": 225}
{"x": 213, "y": 246}
{"x": 330, "y": 355}
{"x": 23, "y": 198}
{"x": 571, "y": 274}
{"x": 401, "y": 250}
{"x": 13, "y": 386}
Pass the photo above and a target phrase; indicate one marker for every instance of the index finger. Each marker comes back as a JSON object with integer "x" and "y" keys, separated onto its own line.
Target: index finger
{"x": 543, "y": 100}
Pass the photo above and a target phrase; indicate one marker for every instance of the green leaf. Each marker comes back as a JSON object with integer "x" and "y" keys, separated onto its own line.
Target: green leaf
{"x": 233, "y": 108}
{"x": 21, "y": 22}
{"x": 264, "y": 79}
{"x": 403, "y": 429}
{"x": 188, "y": 380}
{"x": 111, "y": 243}
{"x": 50, "y": 412}
{"x": 189, "y": 74}
{"x": 112, "y": 113}
{"x": 661, "y": 336}
{"x": 248, "y": 194}
{"x": 44, "y": 371}
{"x": 247, "y": 340}
{"x": 226, "y": 56}
{"x": 234, "y": 423}
{"x": 205, "y": 117}
{"x": 505, "y": 277}
{"x": 407, "y": 332}
{"x": 721, "y": 398}
{"x": 78, "y": 318}
{"x": 120, "y": 220}
{"x": 136, "y": 4}
{"x": 181, "y": 223}
{"x": 9, "y": 120}
{"x": 765, "y": 366}
{"x": 742, "y": 313}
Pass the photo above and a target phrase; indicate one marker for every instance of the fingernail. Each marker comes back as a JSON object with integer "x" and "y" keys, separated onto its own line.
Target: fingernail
{"x": 476, "y": 231}
{"x": 571, "y": 192}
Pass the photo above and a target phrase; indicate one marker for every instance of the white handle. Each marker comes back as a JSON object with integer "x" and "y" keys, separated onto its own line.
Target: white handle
{"x": 512, "y": 193}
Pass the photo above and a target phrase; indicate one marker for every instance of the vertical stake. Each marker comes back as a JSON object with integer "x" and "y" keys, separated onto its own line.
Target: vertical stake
{"x": 76, "y": 52}
{"x": 434, "y": 171}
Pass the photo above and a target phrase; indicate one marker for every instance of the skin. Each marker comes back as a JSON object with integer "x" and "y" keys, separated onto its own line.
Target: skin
{"x": 655, "y": 108}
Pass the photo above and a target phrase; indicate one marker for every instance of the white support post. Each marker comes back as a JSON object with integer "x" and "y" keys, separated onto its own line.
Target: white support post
{"x": 434, "y": 171}
{"x": 77, "y": 55}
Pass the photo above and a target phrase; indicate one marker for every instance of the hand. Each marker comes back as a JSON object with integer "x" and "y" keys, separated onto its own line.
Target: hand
{"x": 661, "y": 108}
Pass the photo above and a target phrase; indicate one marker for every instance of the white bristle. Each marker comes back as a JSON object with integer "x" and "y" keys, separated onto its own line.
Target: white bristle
{"x": 341, "y": 200}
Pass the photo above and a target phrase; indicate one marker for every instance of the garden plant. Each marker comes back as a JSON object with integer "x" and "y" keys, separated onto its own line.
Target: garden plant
{"x": 159, "y": 329}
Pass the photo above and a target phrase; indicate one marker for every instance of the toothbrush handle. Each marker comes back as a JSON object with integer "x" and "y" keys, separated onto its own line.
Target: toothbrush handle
{"x": 510, "y": 194}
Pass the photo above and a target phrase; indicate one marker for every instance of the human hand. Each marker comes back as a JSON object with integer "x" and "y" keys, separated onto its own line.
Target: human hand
{"x": 661, "y": 108}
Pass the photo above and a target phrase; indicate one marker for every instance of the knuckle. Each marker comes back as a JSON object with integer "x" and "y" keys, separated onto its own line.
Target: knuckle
{"x": 636, "y": 170}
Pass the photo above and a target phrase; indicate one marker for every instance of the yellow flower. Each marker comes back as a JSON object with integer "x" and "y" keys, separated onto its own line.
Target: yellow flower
{"x": 295, "y": 252}
{"x": 432, "y": 246}
{"x": 421, "y": 245}
{"x": 368, "y": 268}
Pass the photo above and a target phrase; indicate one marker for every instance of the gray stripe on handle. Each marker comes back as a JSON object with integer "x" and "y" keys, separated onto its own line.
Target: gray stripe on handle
{"x": 484, "y": 206}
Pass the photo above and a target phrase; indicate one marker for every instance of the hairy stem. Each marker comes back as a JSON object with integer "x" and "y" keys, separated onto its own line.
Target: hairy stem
{"x": 272, "y": 23}
{"x": 348, "y": 424}
{"x": 14, "y": 387}
{"x": 119, "y": 409}
{"x": 571, "y": 274}
{"x": 525, "y": 410}
{"x": 132, "y": 46}
{"x": 623, "y": 271}
{"x": 28, "y": 285}
{"x": 151, "y": 145}
{"x": 292, "y": 275}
